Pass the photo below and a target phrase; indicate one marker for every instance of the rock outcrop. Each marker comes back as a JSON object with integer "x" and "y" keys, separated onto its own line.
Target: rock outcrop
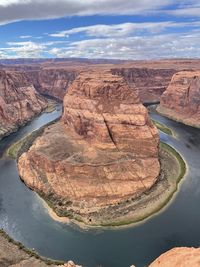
{"x": 19, "y": 101}
{"x": 178, "y": 257}
{"x": 102, "y": 152}
{"x": 151, "y": 82}
{"x": 181, "y": 100}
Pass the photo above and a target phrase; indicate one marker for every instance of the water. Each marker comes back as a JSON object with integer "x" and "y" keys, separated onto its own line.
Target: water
{"x": 24, "y": 217}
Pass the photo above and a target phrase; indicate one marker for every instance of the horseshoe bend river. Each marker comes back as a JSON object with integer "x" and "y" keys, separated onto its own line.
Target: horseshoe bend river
{"x": 24, "y": 218}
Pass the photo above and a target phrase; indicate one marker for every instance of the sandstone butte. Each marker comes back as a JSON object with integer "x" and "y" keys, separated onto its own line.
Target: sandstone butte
{"x": 19, "y": 101}
{"x": 181, "y": 100}
{"x": 103, "y": 151}
{"x": 178, "y": 257}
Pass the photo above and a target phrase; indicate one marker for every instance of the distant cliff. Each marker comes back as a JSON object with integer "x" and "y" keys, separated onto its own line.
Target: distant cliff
{"x": 151, "y": 83}
{"x": 19, "y": 101}
{"x": 181, "y": 100}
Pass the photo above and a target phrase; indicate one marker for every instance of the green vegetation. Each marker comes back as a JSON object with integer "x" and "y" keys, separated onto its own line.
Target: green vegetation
{"x": 18, "y": 148}
{"x": 180, "y": 160}
{"x": 174, "y": 186}
{"x": 163, "y": 128}
{"x": 30, "y": 252}
{"x": 14, "y": 149}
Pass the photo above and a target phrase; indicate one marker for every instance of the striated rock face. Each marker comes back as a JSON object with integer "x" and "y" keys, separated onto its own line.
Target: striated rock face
{"x": 181, "y": 100}
{"x": 19, "y": 101}
{"x": 53, "y": 82}
{"x": 177, "y": 257}
{"x": 102, "y": 152}
{"x": 151, "y": 82}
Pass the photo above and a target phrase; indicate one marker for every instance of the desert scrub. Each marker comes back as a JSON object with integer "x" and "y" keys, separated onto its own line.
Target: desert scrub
{"x": 162, "y": 127}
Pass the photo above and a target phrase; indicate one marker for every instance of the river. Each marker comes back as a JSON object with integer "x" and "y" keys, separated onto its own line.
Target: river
{"x": 24, "y": 218}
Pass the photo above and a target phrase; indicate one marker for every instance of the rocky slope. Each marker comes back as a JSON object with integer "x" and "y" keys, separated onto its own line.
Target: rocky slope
{"x": 178, "y": 257}
{"x": 19, "y": 101}
{"x": 181, "y": 100}
{"x": 151, "y": 83}
{"x": 102, "y": 152}
{"x": 53, "y": 81}
{"x": 12, "y": 255}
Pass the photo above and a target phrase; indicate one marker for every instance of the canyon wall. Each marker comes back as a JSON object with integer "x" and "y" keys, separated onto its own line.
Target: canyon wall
{"x": 19, "y": 101}
{"x": 151, "y": 83}
{"x": 181, "y": 100}
{"x": 102, "y": 152}
{"x": 53, "y": 81}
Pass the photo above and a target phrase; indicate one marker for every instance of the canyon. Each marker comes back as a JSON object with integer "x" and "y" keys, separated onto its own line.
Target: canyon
{"x": 181, "y": 100}
{"x": 23, "y": 83}
{"x": 104, "y": 143}
{"x": 19, "y": 101}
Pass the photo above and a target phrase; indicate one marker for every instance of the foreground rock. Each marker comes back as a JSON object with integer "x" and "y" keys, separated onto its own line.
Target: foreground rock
{"x": 19, "y": 101}
{"x": 181, "y": 100}
{"x": 178, "y": 257}
{"x": 13, "y": 254}
{"x": 102, "y": 152}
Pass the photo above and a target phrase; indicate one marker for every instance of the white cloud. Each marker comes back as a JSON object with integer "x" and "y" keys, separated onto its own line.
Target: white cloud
{"x": 138, "y": 47}
{"x": 124, "y": 29}
{"x": 23, "y": 49}
{"x": 25, "y": 36}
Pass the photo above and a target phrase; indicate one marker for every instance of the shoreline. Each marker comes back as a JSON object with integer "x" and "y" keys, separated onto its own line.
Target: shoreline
{"x": 156, "y": 199}
{"x": 162, "y": 127}
{"x": 174, "y": 118}
{"x": 30, "y": 253}
{"x": 142, "y": 207}
{"x": 51, "y": 107}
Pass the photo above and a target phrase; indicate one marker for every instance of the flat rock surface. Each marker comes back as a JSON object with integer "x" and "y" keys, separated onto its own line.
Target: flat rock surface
{"x": 178, "y": 257}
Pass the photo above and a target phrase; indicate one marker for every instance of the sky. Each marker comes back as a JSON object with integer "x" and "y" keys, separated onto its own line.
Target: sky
{"x": 111, "y": 29}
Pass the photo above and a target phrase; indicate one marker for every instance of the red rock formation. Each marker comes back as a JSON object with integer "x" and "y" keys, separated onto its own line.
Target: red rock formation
{"x": 103, "y": 151}
{"x": 178, "y": 257}
{"x": 181, "y": 100}
{"x": 150, "y": 82}
{"x": 52, "y": 81}
{"x": 19, "y": 101}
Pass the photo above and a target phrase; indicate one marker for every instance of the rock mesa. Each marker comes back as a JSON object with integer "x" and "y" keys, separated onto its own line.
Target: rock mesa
{"x": 102, "y": 152}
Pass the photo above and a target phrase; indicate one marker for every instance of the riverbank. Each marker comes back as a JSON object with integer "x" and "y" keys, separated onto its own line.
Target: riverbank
{"x": 131, "y": 210}
{"x": 16, "y": 149}
{"x": 13, "y": 252}
{"x": 135, "y": 210}
{"x": 168, "y": 113}
{"x": 162, "y": 127}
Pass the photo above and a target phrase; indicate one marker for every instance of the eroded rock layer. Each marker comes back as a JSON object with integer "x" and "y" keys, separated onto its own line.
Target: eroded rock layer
{"x": 53, "y": 81}
{"x": 178, "y": 257}
{"x": 102, "y": 152}
{"x": 19, "y": 101}
{"x": 151, "y": 82}
{"x": 181, "y": 100}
